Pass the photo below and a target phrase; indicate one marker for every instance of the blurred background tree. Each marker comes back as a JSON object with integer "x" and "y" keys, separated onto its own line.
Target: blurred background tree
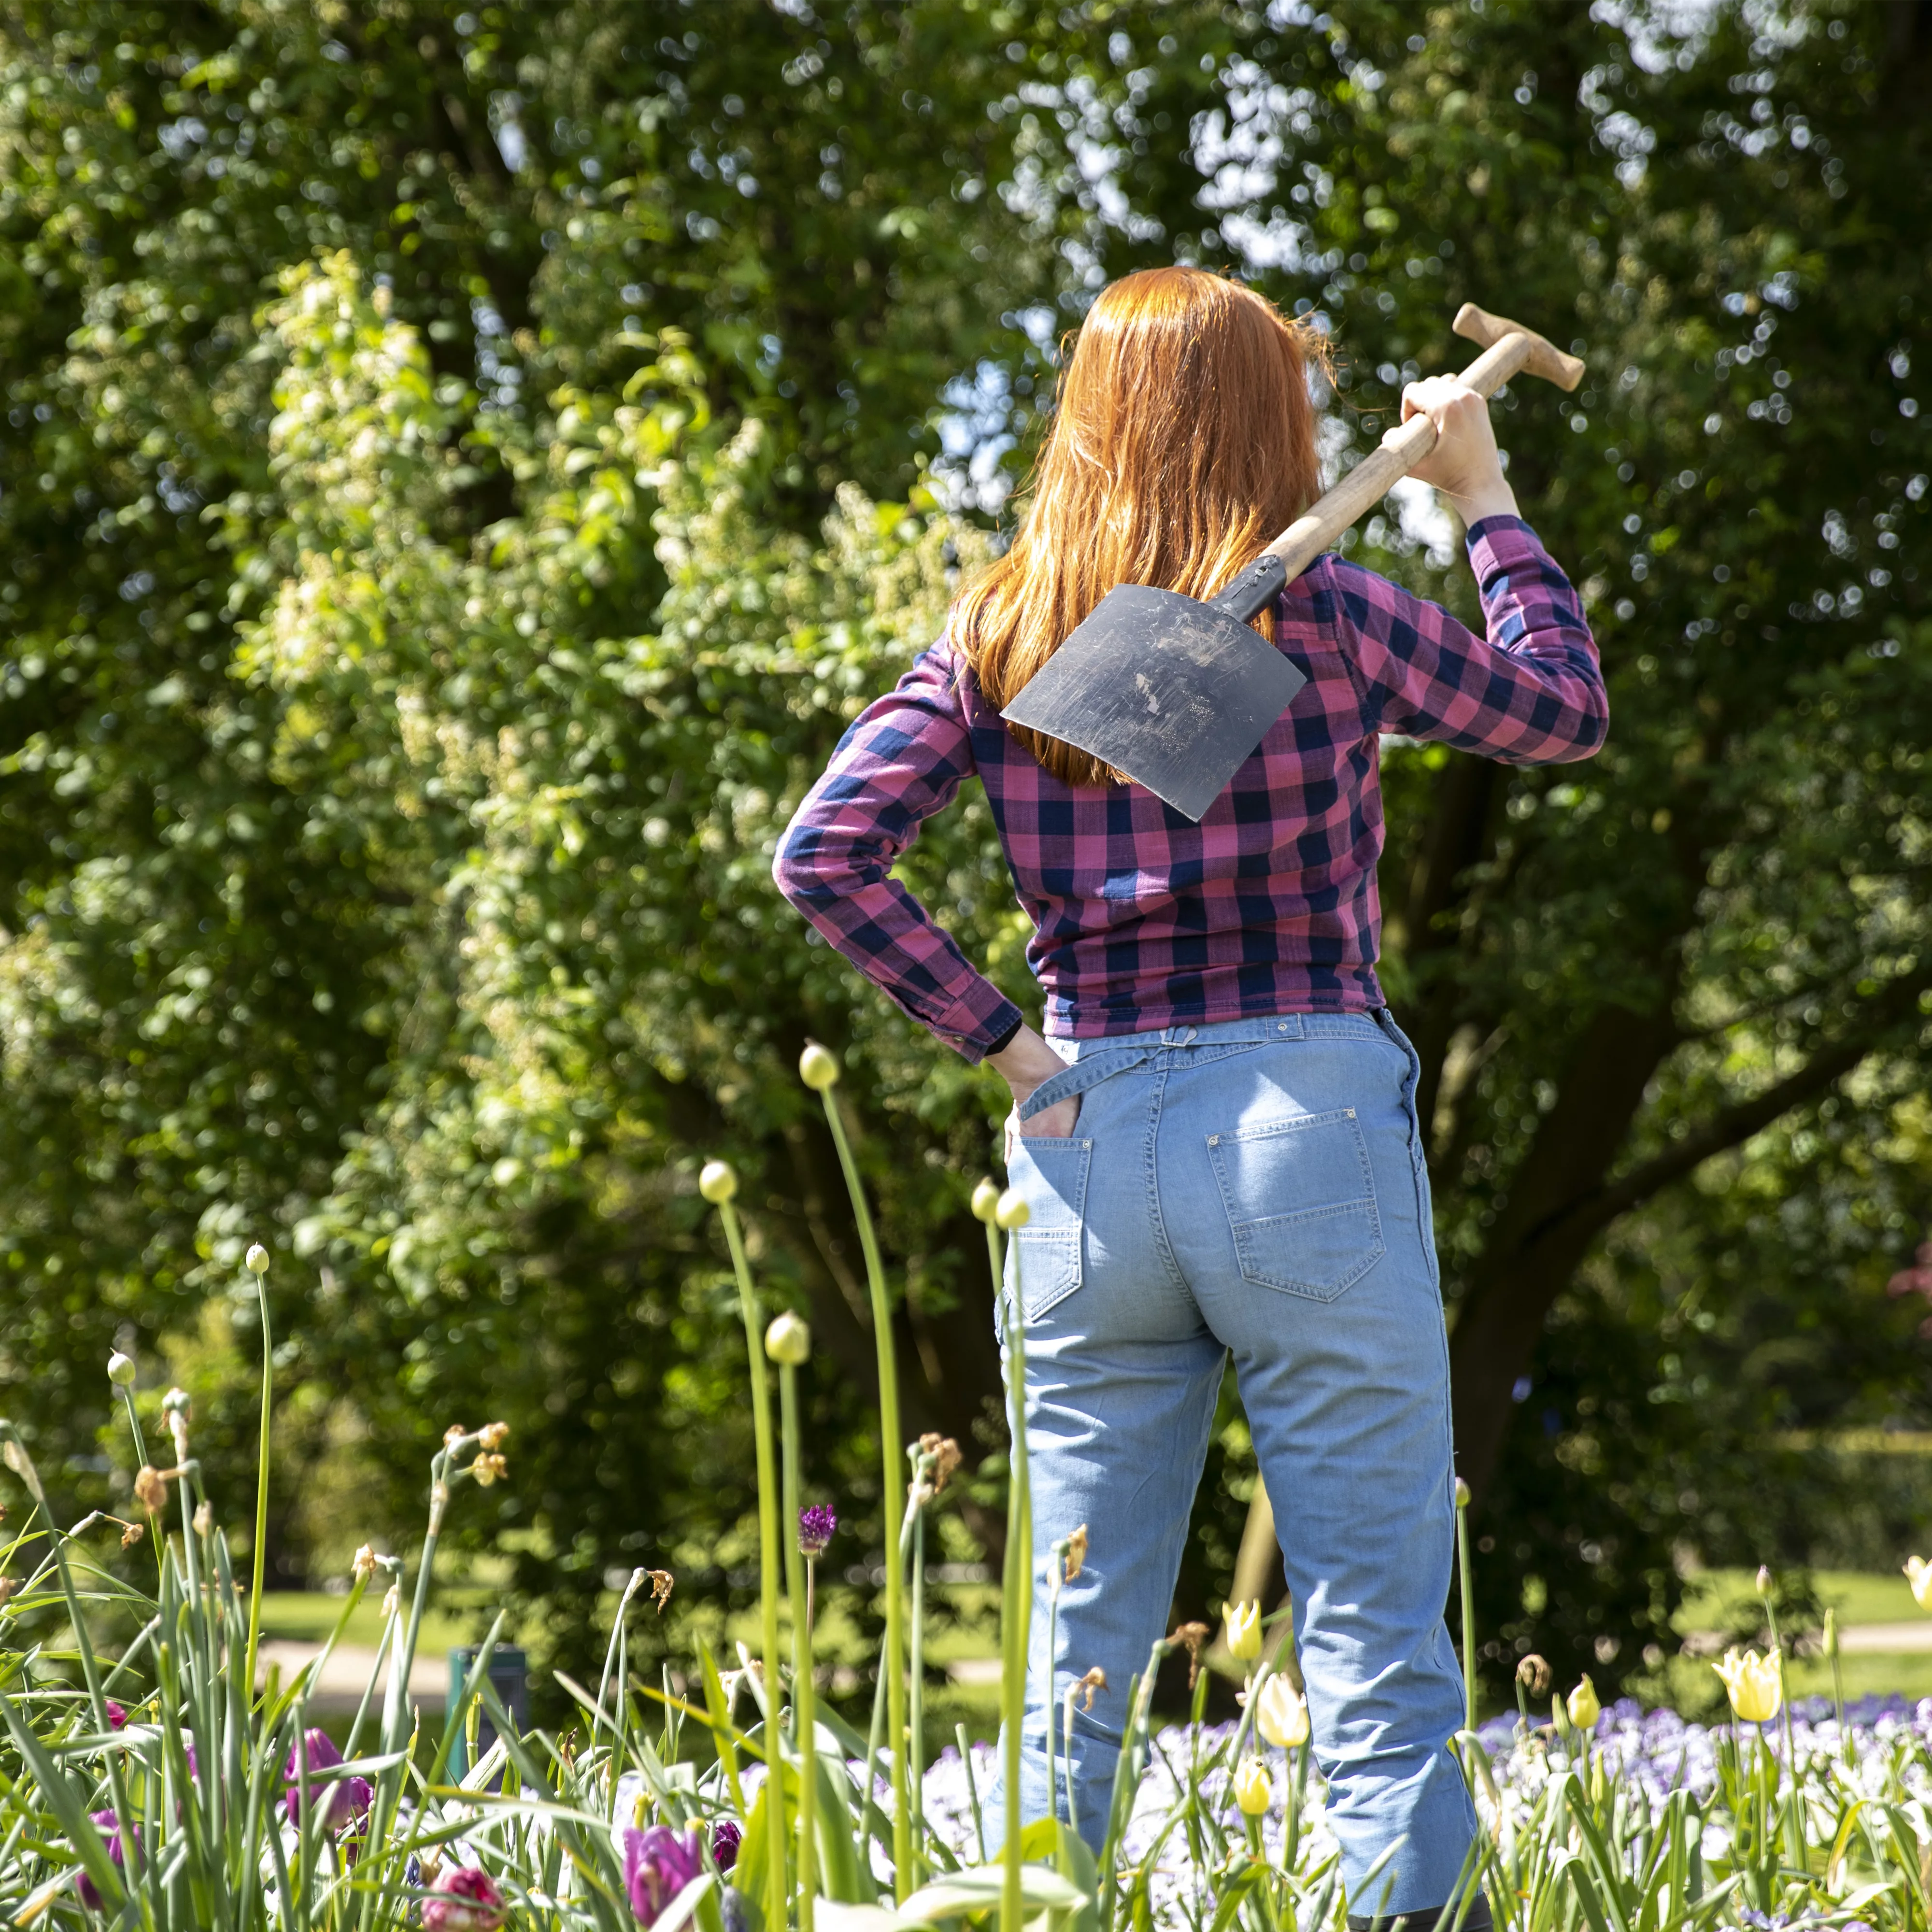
{"x": 467, "y": 465}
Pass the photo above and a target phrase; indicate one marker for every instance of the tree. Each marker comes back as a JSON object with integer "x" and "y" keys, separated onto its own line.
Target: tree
{"x": 431, "y": 592}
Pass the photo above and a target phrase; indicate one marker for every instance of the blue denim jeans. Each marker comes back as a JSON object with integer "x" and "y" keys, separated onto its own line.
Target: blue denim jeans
{"x": 1256, "y": 1188}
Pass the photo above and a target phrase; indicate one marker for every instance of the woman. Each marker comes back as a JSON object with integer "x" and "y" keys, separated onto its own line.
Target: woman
{"x": 1216, "y": 1135}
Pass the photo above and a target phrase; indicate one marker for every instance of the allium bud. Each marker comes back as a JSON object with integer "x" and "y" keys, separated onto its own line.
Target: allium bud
{"x": 817, "y": 1524}
{"x": 204, "y": 1517}
{"x": 718, "y": 1182}
{"x": 1763, "y": 1580}
{"x": 1462, "y": 1494}
{"x": 255, "y": 1261}
{"x": 788, "y": 1340}
{"x": 363, "y": 1565}
{"x": 818, "y": 1067}
{"x": 120, "y": 1369}
{"x": 1012, "y": 1212}
{"x": 985, "y": 1201}
{"x": 1533, "y": 1673}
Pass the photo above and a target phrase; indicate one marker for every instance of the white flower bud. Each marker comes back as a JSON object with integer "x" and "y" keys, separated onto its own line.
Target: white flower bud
{"x": 788, "y": 1340}
{"x": 1011, "y": 1211}
{"x": 818, "y": 1067}
{"x": 1462, "y": 1494}
{"x": 256, "y": 1259}
{"x": 120, "y": 1369}
{"x": 718, "y": 1182}
{"x": 985, "y": 1201}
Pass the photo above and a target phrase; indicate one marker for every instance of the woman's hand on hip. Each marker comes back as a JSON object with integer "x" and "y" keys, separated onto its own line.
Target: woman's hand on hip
{"x": 1027, "y": 1062}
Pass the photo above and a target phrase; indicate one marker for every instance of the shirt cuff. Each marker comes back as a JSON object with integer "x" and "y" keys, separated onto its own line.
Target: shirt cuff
{"x": 1497, "y": 542}
{"x": 1006, "y": 1038}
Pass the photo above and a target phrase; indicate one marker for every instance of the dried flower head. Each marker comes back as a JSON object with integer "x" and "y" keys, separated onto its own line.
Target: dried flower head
{"x": 1096, "y": 1679}
{"x": 7, "y": 1586}
{"x": 1534, "y": 1674}
{"x": 487, "y": 1468}
{"x": 661, "y": 1582}
{"x": 1192, "y": 1636}
{"x": 177, "y": 1401}
{"x": 392, "y": 1601}
{"x": 945, "y": 1456}
{"x": 817, "y": 1523}
{"x": 1076, "y": 1552}
{"x": 453, "y": 1435}
{"x": 362, "y": 1566}
{"x": 151, "y": 1488}
{"x": 131, "y": 1533}
{"x": 204, "y": 1518}
{"x": 493, "y": 1435}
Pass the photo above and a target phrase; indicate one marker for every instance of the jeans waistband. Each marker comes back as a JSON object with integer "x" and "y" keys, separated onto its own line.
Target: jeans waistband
{"x": 1094, "y": 1061}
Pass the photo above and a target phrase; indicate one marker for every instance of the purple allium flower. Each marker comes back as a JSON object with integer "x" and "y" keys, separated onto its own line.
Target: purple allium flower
{"x": 90, "y": 1893}
{"x": 817, "y": 1523}
{"x": 343, "y": 1800}
{"x": 117, "y": 1717}
{"x": 658, "y": 1864}
{"x": 463, "y": 1899}
{"x": 724, "y": 1845}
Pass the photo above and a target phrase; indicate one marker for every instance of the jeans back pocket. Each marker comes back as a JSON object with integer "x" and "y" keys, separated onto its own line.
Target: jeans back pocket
{"x": 1300, "y": 1199}
{"x": 1050, "y": 1176}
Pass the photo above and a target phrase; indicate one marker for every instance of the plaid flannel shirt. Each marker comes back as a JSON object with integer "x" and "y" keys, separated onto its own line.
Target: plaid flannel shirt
{"x": 1142, "y": 918}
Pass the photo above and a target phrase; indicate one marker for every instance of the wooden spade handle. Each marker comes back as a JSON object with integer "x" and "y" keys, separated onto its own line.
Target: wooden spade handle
{"x": 1403, "y": 447}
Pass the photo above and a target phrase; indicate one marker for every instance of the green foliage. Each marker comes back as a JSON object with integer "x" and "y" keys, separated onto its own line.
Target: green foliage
{"x": 466, "y": 468}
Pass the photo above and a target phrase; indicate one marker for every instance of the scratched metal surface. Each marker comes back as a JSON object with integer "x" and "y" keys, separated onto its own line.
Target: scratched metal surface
{"x": 1172, "y": 692}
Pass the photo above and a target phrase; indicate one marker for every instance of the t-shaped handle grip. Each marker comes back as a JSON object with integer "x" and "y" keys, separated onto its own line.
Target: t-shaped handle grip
{"x": 1542, "y": 358}
{"x": 1510, "y": 348}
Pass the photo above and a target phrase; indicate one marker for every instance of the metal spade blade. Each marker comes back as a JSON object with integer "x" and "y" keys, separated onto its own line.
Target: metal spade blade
{"x": 1176, "y": 693}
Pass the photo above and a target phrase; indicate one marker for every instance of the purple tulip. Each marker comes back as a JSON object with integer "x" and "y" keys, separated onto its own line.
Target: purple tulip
{"x": 817, "y": 1525}
{"x": 90, "y": 1893}
{"x": 117, "y": 1717}
{"x": 658, "y": 1864}
{"x": 724, "y": 1843}
{"x": 463, "y": 1899}
{"x": 343, "y": 1800}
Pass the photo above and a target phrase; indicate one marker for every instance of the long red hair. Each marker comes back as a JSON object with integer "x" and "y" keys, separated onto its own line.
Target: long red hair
{"x": 1183, "y": 440}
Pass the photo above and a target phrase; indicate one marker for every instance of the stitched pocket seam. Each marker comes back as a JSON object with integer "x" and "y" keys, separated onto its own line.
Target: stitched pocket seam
{"x": 1242, "y": 1230}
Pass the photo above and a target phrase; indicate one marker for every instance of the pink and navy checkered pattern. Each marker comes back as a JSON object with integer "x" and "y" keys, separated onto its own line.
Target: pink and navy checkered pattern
{"x": 1142, "y": 918}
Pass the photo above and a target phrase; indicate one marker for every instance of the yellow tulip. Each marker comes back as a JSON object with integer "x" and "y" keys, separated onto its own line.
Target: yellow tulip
{"x": 1281, "y": 1714}
{"x": 1244, "y": 1630}
{"x": 1254, "y": 1790}
{"x": 1756, "y": 1684}
{"x": 1919, "y": 1574}
{"x": 1582, "y": 1706}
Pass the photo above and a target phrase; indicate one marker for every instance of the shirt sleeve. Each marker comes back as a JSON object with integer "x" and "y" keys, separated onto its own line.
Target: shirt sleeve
{"x": 903, "y": 759}
{"x": 1529, "y": 693}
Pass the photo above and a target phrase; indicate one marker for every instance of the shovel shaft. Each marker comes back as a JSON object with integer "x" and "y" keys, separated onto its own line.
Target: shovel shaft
{"x": 1378, "y": 472}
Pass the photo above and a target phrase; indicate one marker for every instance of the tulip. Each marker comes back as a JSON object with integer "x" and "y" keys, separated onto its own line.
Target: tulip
{"x": 1755, "y": 1683}
{"x": 1243, "y": 1630}
{"x": 1012, "y": 1212}
{"x": 109, "y": 1826}
{"x": 718, "y": 1182}
{"x": 1281, "y": 1714}
{"x": 1919, "y": 1574}
{"x": 818, "y": 1067}
{"x": 463, "y": 1899}
{"x": 120, "y": 1369}
{"x": 724, "y": 1843}
{"x": 658, "y": 1864}
{"x": 1582, "y": 1706}
{"x": 255, "y": 1261}
{"x": 1254, "y": 1790}
{"x": 341, "y": 1801}
{"x": 117, "y": 1716}
{"x": 788, "y": 1341}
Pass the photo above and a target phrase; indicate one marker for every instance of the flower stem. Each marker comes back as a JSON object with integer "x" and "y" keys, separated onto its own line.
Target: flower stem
{"x": 261, "y": 1550}
{"x": 768, "y": 1550}
{"x": 916, "y": 1716}
{"x": 1016, "y": 1585}
{"x": 1468, "y": 1608}
{"x": 892, "y": 1501}
{"x": 805, "y": 1741}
